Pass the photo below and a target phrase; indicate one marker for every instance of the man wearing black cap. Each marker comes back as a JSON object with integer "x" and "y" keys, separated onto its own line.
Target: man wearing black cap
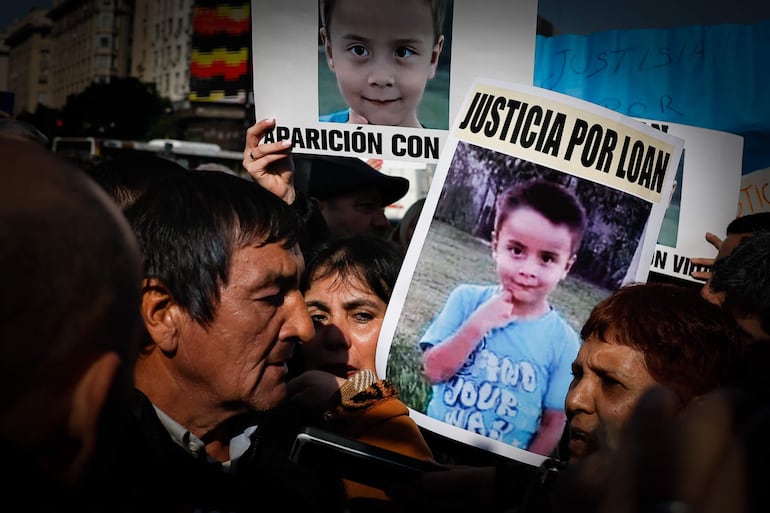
{"x": 348, "y": 195}
{"x": 352, "y": 194}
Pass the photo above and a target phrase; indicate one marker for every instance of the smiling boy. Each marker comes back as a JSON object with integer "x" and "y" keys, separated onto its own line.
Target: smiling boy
{"x": 499, "y": 356}
{"x": 383, "y": 52}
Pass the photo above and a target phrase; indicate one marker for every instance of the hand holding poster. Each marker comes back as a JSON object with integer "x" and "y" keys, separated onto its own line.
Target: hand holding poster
{"x": 585, "y": 187}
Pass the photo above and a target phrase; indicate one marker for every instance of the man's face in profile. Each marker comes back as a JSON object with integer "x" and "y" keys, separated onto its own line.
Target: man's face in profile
{"x": 356, "y": 212}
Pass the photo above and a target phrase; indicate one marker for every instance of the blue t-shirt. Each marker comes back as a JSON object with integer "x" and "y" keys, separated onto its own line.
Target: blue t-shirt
{"x": 341, "y": 116}
{"x": 514, "y": 373}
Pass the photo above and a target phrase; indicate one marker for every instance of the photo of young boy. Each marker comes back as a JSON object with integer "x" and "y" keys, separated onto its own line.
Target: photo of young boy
{"x": 382, "y": 54}
{"x": 505, "y": 342}
{"x": 506, "y": 276}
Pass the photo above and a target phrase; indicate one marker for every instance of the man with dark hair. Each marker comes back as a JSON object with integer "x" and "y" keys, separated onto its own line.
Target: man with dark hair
{"x": 126, "y": 177}
{"x": 352, "y": 195}
{"x": 223, "y": 310}
{"x": 740, "y": 283}
{"x": 738, "y": 228}
{"x": 335, "y": 196}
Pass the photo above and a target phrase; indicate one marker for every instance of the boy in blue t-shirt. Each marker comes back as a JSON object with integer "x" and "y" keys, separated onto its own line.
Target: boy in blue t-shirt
{"x": 383, "y": 52}
{"x": 499, "y": 356}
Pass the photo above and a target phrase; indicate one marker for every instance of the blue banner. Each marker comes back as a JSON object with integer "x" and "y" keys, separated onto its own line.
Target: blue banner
{"x": 715, "y": 76}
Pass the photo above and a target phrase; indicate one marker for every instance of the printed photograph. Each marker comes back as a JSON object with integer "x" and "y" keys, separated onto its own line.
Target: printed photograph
{"x": 515, "y": 240}
{"x": 385, "y": 62}
{"x": 669, "y": 229}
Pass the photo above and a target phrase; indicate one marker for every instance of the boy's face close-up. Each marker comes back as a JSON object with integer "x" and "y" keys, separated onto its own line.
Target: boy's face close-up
{"x": 532, "y": 255}
{"x": 383, "y": 54}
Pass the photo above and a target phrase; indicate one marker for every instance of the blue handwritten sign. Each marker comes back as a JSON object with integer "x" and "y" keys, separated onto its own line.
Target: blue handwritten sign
{"x": 713, "y": 76}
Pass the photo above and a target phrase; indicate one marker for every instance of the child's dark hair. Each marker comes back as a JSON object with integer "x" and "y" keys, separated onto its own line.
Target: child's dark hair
{"x": 553, "y": 201}
{"x": 437, "y": 8}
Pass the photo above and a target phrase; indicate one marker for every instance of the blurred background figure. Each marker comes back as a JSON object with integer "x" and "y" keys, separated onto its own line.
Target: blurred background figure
{"x": 740, "y": 284}
{"x": 69, "y": 329}
{"x": 404, "y": 230}
{"x": 352, "y": 194}
{"x": 21, "y": 130}
{"x": 128, "y": 177}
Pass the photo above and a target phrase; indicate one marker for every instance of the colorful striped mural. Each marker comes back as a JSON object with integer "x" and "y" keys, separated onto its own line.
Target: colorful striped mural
{"x": 219, "y": 68}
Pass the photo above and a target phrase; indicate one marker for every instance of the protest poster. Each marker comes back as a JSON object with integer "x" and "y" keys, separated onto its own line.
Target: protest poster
{"x": 703, "y": 199}
{"x": 293, "y": 82}
{"x": 618, "y": 169}
{"x": 695, "y": 75}
{"x": 754, "y": 195}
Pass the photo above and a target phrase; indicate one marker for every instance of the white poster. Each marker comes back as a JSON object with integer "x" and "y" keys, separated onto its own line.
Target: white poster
{"x": 294, "y": 81}
{"x": 703, "y": 199}
{"x": 530, "y": 188}
{"x": 754, "y": 195}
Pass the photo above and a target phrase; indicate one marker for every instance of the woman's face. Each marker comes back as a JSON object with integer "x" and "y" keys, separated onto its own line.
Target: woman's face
{"x": 608, "y": 380}
{"x": 347, "y": 316}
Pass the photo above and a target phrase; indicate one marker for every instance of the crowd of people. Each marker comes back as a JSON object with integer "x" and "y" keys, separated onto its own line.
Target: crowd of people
{"x": 168, "y": 332}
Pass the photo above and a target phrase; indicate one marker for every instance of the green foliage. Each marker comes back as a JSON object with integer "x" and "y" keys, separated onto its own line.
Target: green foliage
{"x": 124, "y": 108}
{"x": 404, "y": 371}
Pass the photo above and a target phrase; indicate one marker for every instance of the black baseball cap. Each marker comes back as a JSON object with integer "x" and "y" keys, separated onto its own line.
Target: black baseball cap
{"x": 331, "y": 176}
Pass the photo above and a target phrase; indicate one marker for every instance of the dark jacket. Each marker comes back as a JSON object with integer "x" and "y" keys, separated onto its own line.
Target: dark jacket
{"x": 154, "y": 474}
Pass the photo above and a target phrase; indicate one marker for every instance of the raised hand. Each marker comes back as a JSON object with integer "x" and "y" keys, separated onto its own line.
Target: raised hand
{"x": 269, "y": 164}
{"x": 706, "y": 262}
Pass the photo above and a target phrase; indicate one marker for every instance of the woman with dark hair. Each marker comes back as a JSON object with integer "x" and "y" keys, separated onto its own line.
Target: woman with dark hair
{"x": 347, "y": 284}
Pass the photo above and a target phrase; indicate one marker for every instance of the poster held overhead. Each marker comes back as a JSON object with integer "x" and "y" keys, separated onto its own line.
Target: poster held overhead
{"x": 531, "y": 183}
{"x": 300, "y": 76}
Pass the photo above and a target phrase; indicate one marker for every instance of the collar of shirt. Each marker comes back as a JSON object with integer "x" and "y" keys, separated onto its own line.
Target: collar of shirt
{"x": 197, "y": 448}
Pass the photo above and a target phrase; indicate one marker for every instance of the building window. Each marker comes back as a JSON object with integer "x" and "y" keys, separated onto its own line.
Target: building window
{"x": 104, "y": 41}
{"x": 103, "y": 62}
{"x": 105, "y": 20}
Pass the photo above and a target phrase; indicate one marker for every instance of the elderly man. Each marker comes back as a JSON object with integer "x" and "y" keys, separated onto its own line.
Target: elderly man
{"x": 223, "y": 310}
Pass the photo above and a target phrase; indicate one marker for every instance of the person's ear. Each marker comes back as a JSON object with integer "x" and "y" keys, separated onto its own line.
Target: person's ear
{"x": 434, "y": 55}
{"x": 88, "y": 401}
{"x": 162, "y": 316}
{"x": 327, "y": 44}
{"x": 568, "y": 266}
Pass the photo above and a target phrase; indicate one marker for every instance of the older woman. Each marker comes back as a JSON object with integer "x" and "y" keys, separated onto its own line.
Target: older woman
{"x": 640, "y": 336}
